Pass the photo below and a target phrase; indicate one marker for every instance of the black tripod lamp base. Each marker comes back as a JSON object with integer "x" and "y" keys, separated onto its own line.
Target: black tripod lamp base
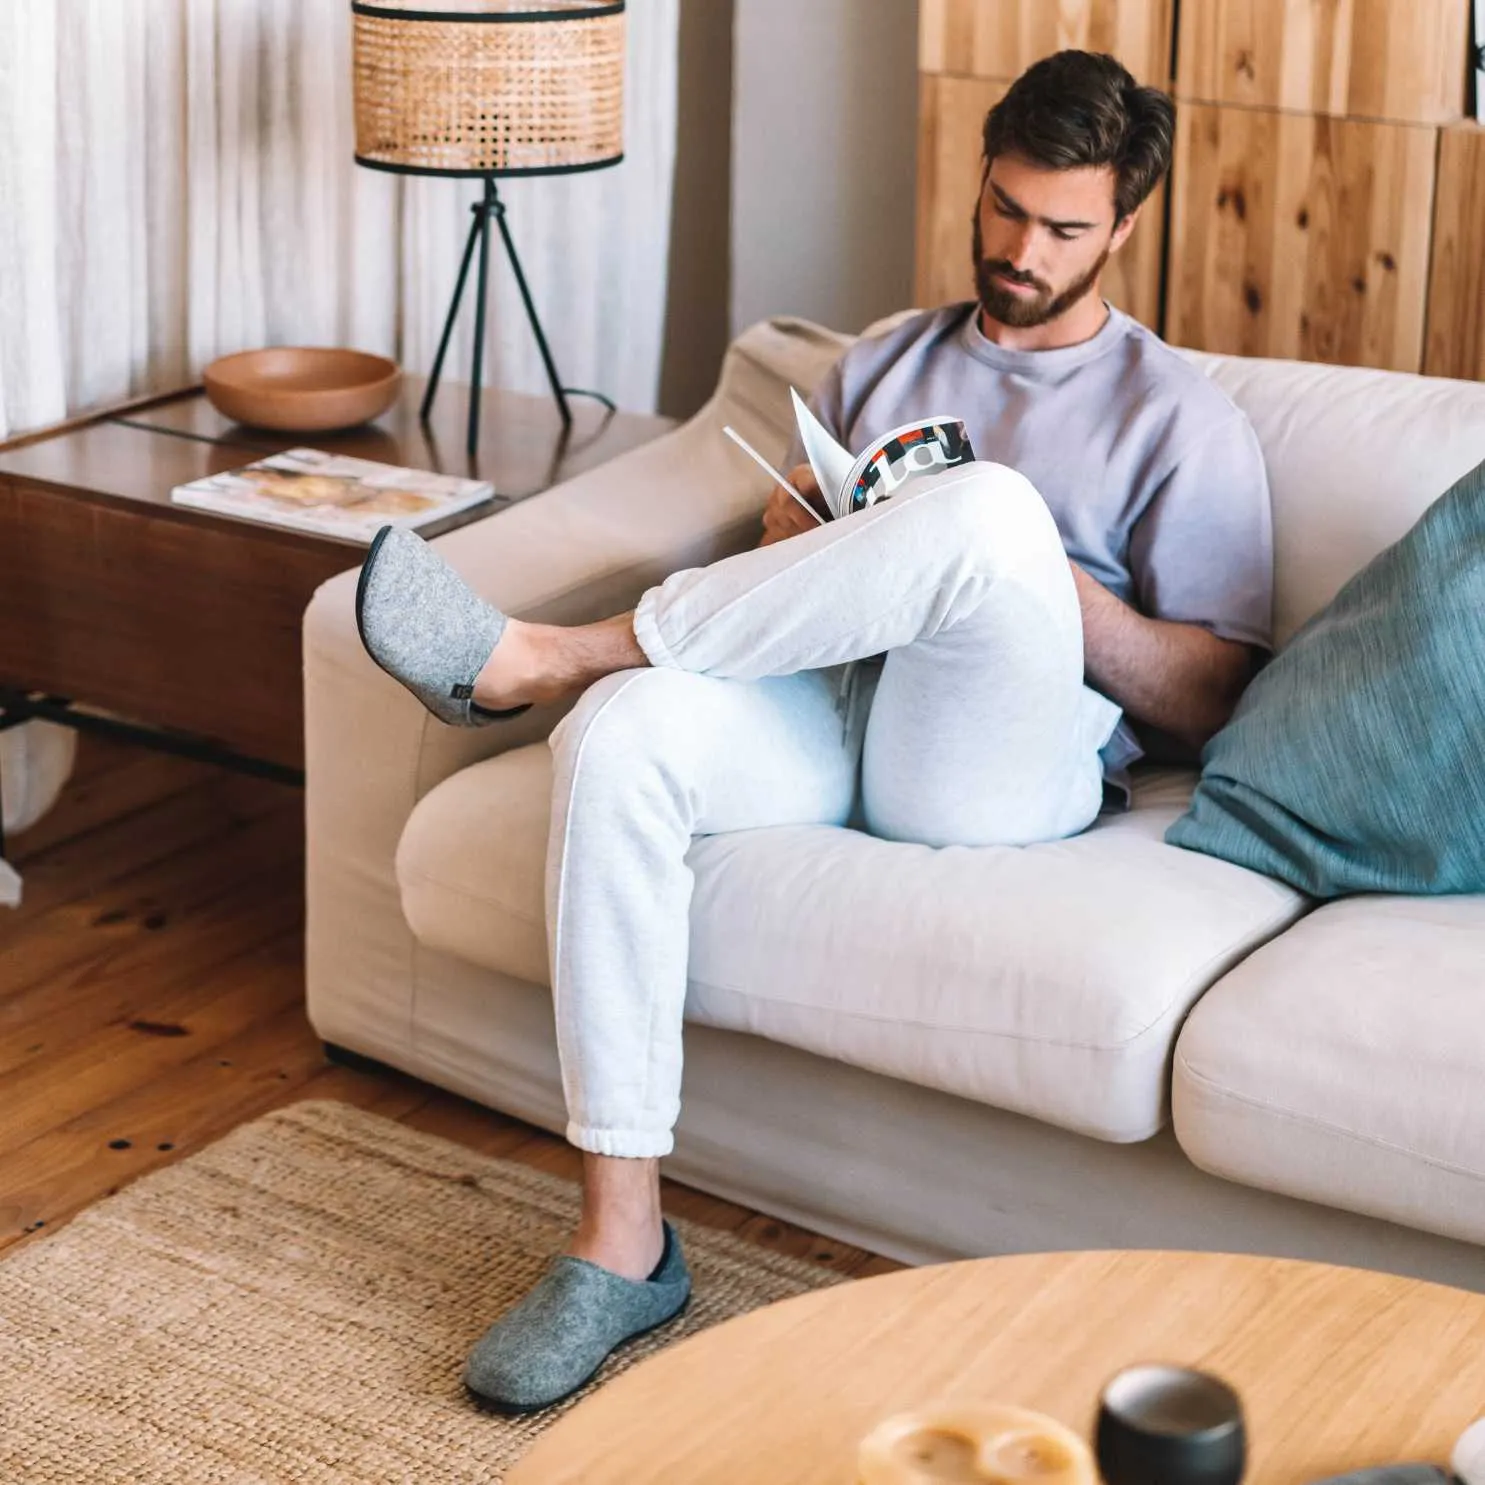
{"x": 490, "y": 208}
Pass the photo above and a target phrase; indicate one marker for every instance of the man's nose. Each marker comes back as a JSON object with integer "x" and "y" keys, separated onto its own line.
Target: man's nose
{"x": 1018, "y": 249}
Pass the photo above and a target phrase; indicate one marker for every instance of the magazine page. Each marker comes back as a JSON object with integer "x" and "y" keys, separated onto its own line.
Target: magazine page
{"x": 333, "y": 494}
{"x": 889, "y": 462}
{"x": 829, "y": 461}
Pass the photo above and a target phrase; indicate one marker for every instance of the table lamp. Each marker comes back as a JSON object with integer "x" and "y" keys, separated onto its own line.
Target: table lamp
{"x": 484, "y": 89}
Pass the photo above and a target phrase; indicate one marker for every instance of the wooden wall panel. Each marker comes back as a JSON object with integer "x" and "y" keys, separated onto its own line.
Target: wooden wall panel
{"x": 1401, "y": 60}
{"x": 1001, "y": 38}
{"x": 1456, "y": 288}
{"x": 1300, "y": 236}
{"x": 952, "y": 116}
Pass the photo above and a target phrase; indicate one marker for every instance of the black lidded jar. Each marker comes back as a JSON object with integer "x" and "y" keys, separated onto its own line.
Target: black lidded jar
{"x": 1169, "y": 1425}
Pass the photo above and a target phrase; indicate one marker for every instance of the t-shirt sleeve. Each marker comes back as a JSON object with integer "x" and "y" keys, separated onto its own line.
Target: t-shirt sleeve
{"x": 1202, "y": 551}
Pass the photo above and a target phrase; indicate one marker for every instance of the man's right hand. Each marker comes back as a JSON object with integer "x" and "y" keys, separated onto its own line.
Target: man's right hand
{"x": 783, "y": 516}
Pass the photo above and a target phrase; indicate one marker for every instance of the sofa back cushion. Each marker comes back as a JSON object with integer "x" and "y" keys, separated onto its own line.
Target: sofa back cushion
{"x": 1354, "y": 458}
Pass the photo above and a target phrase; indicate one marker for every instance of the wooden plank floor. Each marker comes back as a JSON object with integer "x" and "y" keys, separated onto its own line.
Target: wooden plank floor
{"x": 152, "y": 998}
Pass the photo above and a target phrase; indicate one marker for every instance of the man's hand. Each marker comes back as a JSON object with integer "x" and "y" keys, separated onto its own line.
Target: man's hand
{"x": 783, "y": 516}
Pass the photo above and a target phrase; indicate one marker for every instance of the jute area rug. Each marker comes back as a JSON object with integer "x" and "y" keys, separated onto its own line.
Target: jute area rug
{"x": 295, "y": 1303}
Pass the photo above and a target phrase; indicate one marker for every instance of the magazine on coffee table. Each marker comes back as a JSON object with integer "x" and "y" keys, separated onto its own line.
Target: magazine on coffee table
{"x": 333, "y": 494}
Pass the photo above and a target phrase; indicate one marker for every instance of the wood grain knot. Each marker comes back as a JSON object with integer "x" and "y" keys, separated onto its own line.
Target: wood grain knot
{"x": 158, "y": 1028}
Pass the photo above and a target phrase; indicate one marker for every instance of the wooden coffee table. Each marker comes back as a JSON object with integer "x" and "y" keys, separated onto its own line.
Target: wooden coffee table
{"x": 1337, "y": 1368}
{"x": 115, "y": 598}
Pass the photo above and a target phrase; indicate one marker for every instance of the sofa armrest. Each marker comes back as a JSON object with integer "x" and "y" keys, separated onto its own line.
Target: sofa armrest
{"x": 584, "y": 550}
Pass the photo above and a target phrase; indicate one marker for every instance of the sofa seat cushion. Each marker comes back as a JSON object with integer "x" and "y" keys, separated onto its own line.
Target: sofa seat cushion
{"x": 1049, "y": 980}
{"x": 1345, "y": 1063}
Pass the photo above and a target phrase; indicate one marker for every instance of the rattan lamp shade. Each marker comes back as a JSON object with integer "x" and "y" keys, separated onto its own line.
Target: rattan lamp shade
{"x": 489, "y": 87}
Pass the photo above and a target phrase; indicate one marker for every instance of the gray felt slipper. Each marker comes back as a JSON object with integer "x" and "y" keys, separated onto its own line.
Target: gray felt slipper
{"x": 554, "y": 1341}
{"x": 424, "y": 625}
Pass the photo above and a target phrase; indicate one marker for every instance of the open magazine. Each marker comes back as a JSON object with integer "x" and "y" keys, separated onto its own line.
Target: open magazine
{"x": 885, "y": 464}
{"x": 334, "y": 494}
{"x": 879, "y": 470}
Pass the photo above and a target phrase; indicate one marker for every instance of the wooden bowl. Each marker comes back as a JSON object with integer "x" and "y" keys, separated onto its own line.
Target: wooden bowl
{"x": 302, "y": 389}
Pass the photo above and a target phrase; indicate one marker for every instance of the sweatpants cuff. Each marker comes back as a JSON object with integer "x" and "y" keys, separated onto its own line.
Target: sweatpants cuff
{"x": 647, "y": 633}
{"x": 627, "y": 1144}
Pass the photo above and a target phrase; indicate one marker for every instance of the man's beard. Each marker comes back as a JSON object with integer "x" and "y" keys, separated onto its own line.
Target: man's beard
{"x": 1017, "y": 310}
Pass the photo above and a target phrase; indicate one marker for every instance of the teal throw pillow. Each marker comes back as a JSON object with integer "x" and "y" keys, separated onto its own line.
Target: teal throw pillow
{"x": 1355, "y": 762}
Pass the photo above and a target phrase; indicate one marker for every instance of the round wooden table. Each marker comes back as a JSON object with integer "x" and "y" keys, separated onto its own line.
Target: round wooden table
{"x": 1337, "y": 1368}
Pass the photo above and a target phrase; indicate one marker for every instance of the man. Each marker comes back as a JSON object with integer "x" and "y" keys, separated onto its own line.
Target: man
{"x": 964, "y": 663}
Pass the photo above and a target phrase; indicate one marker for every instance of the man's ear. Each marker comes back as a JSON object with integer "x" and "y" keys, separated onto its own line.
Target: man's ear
{"x": 1123, "y": 228}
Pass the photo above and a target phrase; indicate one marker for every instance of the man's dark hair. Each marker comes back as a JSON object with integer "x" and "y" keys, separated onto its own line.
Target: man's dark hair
{"x": 1083, "y": 108}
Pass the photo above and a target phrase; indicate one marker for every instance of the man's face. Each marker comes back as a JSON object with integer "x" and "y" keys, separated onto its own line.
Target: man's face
{"x": 1041, "y": 238}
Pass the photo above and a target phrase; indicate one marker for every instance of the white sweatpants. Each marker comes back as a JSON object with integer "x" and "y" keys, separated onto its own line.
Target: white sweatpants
{"x": 977, "y": 730}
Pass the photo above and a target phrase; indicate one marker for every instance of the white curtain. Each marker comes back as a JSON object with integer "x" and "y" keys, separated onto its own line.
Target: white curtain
{"x": 176, "y": 182}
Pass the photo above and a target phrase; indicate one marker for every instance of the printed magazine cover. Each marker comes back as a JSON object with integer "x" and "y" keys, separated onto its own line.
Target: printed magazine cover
{"x": 333, "y": 494}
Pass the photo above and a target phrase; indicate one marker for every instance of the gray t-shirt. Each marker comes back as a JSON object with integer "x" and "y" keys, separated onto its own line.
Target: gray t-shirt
{"x": 1154, "y": 477}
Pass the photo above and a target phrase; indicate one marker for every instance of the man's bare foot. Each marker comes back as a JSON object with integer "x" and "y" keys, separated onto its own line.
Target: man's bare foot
{"x": 545, "y": 662}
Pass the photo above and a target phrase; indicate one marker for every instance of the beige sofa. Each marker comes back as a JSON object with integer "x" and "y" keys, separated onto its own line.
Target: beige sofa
{"x": 1098, "y": 1042}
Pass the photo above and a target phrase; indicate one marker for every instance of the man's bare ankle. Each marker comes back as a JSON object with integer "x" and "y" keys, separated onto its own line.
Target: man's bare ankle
{"x": 547, "y": 662}
{"x": 631, "y": 1252}
{"x": 510, "y": 677}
